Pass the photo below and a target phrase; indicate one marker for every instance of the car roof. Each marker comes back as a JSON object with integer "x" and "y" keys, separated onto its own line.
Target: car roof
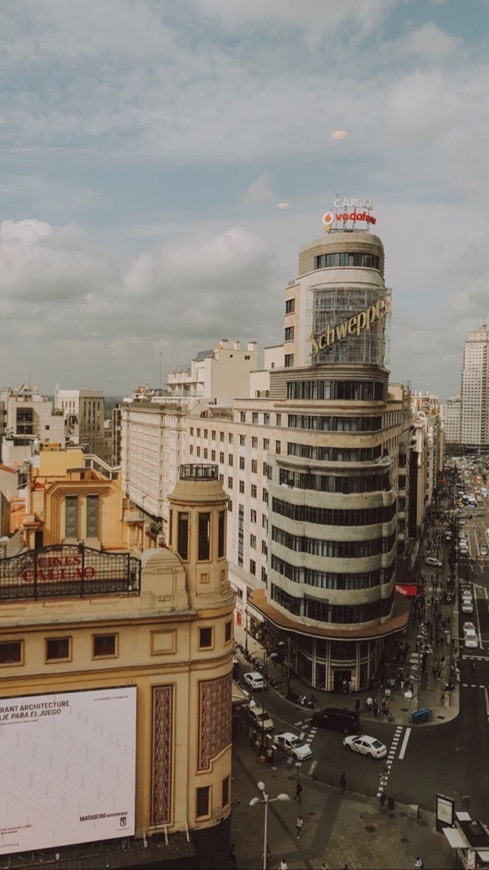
{"x": 254, "y": 674}
{"x": 288, "y": 735}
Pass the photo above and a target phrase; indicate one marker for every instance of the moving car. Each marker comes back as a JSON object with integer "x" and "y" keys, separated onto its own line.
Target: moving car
{"x": 365, "y": 745}
{"x": 483, "y": 550}
{"x": 468, "y": 626}
{"x": 435, "y": 563}
{"x": 336, "y": 718}
{"x": 254, "y": 680}
{"x": 467, "y": 605}
{"x": 293, "y": 745}
{"x": 471, "y": 640}
{"x": 260, "y": 718}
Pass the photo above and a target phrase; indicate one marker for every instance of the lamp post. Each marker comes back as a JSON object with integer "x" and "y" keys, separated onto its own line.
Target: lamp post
{"x": 266, "y": 800}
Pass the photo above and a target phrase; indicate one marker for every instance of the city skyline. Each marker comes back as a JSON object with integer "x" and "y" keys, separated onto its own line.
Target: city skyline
{"x": 162, "y": 166}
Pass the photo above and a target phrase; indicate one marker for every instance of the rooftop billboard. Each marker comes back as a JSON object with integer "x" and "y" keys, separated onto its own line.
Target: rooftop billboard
{"x": 67, "y": 764}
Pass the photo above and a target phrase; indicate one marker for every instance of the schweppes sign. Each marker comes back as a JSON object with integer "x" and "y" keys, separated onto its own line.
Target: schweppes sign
{"x": 354, "y": 325}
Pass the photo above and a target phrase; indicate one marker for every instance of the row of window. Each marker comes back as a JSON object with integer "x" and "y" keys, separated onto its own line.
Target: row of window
{"x": 331, "y": 579}
{"x": 347, "y": 258}
{"x": 330, "y": 483}
{"x": 334, "y": 424}
{"x": 333, "y": 549}
{"x": 323, "y": 611}
{"x": 361, "y": 391}
{"x": 337, "y": 517}
{"x": 213, "y": 434}
{"x": 72, "y": 517}
{"x": 334, "y": 454}
{"x": 103, "y": 646}
{"x": 204, "y": 534}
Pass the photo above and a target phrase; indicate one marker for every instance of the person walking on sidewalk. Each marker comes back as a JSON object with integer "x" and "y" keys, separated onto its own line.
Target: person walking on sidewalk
{"x": 298, "y": 793}
{"x": 298, "y": 824}
{"x": 283, "y": 865}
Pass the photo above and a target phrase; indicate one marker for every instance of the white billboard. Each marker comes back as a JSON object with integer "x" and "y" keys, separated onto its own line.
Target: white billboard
{"x": 67, "y": 768}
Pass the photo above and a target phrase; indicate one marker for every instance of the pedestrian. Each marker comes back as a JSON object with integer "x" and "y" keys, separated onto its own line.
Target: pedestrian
{"x": 418, "y": 864}
{"x": 298, "y": 825}
{"x": 268, "y": 858}
{"x": 343, "y": 781}
{"x": 357, "y": 704}
{"x": 233, "y": 859}
{"x": 386, "y": 716}
{"x": 298, "y": 793}
{"x": 369, "y": 703}
{"x": 283, "y": 865}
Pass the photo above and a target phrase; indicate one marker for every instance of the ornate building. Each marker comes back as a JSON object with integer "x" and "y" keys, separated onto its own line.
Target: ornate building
{"x": 123, "y": 665}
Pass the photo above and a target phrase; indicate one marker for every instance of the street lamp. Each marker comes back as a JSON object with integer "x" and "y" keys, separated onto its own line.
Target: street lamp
{"x": 266, "y": 800}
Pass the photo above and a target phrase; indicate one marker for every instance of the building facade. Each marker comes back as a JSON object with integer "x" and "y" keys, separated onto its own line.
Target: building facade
{"x": 474, "y": 392}
{"x": 221, "y": 373}
{"x": 27, "y": 420}
{"x": 123, "y": 664}
{"x": 312, "y": 470}
{"x": 451, "y": 412}
{"x": 84, "y": 413}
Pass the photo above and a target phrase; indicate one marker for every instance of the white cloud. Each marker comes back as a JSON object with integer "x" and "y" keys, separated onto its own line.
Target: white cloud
{"x": 431, "y": 42}
{"x": 259, "y": 193}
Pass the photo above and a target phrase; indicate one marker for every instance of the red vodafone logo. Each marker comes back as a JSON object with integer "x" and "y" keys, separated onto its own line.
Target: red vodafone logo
{"x": 328, "y": 218}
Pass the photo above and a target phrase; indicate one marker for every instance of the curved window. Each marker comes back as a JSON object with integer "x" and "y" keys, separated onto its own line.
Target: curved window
{"x": 328, "y": 517}
{"x": 334, "y": 454}
{"x": 323, "y": 611}
{"x": 334, "y": 424}
{"x": 331, "y": 579}
{"x": 351, "y": 391}
{"x": 347, "y": 258}
{"x": 333, "y": 549}
{"x": 331, "y": 483}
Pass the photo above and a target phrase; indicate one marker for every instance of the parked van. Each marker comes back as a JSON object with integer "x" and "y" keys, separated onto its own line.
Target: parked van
{"x": 338, "y": 719}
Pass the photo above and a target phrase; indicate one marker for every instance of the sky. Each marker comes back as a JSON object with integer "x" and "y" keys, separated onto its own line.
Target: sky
{"x": 163, "y": 162}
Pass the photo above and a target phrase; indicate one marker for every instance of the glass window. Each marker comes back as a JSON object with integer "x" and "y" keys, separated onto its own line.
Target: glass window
{"x": 230, "y": 437}
{"x": 104, "y": 645}
{"x": 92, "y": 516}
{"x": 230, "y": 482}
{"x": 205, "y": 637}
{"x": 254, "y": 491}
{"x": 221, "y": 437}
{"x": 252, "y": 566}
{"x": 242, "y": 417}
{"x": 57, "y": 648}
{"x": 182, "y": 543}
{"x": 228, "y": 631}
{"x": 289, "y": 360}
{"x": 278, "y": 419}
{"x": 203, "y": 801}
{"x": 254, "y": 417}
{"x": 242, "y": 440}
{"x": 221, "y": 536}
{"x": 254, "y": 466}
{"x": 254, "y": 442}
{"x": 241, "y": 487}
{"x": 289, "y": 333}
{"x": 225, "y": 791}
{"x": 242, "y": 463}
{"x": 71, "y": 516}
{"x": 10, "y": 652}
{"x": 289, "y": 306}
{"x": 204, "y": 535}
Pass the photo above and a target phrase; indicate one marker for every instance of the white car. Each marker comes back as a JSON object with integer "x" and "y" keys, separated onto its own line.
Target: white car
{"x": 293, "y": 745}
{"x": 471, "y": 641}
{"x": 435, "y": 563}
{"x": 365, "y": 745}
{"x": 254, "y": 680}
{"x": 483, "y": 550}
{"x": 467, "y": 605}
{"x": 260, "y": 718}
{"x": 468, "y": 626}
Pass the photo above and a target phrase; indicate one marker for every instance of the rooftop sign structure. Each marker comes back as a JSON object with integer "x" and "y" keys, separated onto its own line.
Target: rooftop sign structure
{"x": 346, "y": 213}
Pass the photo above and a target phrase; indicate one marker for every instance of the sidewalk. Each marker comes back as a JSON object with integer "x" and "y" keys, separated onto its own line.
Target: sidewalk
{"x": 341, "y": 830}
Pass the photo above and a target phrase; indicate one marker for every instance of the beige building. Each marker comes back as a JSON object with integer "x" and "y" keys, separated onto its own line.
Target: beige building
{"x": 84, "y": 414}
{"x": 220, "y": 374}
{"x": 313, "y": 469}
{"x": 139, "y": 651}
{"x": 27, "y": 420}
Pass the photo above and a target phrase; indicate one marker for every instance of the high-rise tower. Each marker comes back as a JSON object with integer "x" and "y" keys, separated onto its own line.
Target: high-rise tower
{"x": 474, "y": 418}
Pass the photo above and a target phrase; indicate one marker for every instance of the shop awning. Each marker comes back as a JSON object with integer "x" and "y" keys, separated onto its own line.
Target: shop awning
{"x": 455, "y": 838}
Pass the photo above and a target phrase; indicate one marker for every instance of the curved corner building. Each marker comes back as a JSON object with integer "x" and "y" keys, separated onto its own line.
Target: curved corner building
{"x": 332, "y": 507}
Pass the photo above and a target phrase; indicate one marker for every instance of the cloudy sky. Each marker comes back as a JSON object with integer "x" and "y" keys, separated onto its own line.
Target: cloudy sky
{"x": 149, "y": 148}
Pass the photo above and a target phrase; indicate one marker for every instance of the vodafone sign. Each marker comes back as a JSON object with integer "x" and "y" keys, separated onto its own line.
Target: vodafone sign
{"x": 345, "y": 210}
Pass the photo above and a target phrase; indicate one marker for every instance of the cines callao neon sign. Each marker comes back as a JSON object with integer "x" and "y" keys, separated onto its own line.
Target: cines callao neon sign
{"x": 354, "y": 325}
